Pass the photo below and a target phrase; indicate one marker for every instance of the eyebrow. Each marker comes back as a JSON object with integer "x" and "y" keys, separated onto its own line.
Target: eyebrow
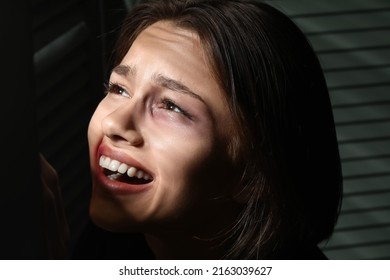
{"x": 175, "y": 86}
{"x": 159, "y": 79}
{"x": 124, "y": 70}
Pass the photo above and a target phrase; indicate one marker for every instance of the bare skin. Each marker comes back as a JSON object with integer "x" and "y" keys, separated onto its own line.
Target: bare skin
{"x": 163, "y": 115}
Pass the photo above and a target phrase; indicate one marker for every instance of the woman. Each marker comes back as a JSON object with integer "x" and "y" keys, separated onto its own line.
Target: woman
{"x": 216, "y": 137}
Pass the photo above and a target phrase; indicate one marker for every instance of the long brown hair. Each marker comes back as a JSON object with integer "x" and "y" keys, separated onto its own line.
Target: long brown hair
{"x": 278, "y": 95}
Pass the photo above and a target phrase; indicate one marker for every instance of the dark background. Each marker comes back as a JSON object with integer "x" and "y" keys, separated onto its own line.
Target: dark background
{"x": 54, "y": 61}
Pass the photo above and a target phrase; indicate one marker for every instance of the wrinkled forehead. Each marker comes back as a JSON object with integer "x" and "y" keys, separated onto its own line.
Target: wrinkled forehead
{"x": 171, "y": 32}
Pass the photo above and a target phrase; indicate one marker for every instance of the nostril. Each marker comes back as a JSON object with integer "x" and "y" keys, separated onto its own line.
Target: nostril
{"x": 120, "y": 126}
{"x": 133, "y": 137}
{"x": 116, "y": 138}
{"x": 130, "y": 138}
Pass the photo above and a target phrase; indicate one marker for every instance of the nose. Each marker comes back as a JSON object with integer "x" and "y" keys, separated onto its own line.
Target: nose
{"x": 121, "y": 125}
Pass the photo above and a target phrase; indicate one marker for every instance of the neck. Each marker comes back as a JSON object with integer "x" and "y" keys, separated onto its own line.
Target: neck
{"x": 204, "y": 237}
{"x": 180, "y": 246}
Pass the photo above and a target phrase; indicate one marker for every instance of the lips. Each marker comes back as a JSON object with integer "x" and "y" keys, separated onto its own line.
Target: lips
{"x": 121, "y": 174}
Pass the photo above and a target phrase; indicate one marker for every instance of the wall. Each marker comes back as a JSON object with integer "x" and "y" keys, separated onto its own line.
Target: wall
{"x": 352, "y": 40}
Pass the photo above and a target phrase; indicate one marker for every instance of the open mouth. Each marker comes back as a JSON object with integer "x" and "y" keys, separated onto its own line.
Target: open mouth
{"x": 118, "y": 171}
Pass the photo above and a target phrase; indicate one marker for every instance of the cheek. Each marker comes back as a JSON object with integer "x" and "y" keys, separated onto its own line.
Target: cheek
{"x": 180, "y": 149}
{"x": 195, "y": 185}
{"x": 190, "y": 169}
{"x": 95, "y": 133}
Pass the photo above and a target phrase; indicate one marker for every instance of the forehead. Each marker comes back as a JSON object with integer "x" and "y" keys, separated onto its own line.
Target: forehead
{"x": 170, "y": 43}
{"x": 176, "y": 52}
{"x": 169, "y": 32}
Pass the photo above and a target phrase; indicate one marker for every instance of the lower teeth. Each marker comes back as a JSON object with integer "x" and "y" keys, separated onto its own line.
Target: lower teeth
{"x": 114, "y": 176}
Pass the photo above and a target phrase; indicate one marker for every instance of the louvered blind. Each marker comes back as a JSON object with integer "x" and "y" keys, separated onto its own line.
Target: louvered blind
{"x": 352, "y": 40}
{"x": 67, "y": 86}
{"x": 21, "y": 197}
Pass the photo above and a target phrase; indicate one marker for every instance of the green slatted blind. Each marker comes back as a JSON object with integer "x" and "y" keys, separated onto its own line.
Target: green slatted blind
{"x": 67, "y": 86}
{"x": 21, "y": 197}
{"x": 352, "y": 40}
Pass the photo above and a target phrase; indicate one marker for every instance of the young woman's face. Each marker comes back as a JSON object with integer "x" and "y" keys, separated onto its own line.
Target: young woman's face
{"x": 159, "y": 141}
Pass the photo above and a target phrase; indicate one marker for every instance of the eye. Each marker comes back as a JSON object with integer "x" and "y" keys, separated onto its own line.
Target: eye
{"x": 171, "y": 106}
{"x": 116, "y": 89}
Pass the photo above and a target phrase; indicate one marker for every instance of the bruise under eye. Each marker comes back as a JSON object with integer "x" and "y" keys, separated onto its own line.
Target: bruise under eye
{"x": 169, "y": 105}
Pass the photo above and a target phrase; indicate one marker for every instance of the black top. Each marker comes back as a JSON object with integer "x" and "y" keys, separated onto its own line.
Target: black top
{"x": 303, "y": 253}
{"x": 99, "y": 244}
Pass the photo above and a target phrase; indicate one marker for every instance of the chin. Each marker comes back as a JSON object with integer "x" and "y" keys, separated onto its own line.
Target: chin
{"x": 109, "y": 219}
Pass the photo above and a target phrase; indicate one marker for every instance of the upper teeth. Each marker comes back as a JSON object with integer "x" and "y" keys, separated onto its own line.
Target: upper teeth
{"x": 122, "y": 168}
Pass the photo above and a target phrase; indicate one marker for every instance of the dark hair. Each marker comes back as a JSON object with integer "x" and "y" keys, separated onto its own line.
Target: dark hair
{"x": 278, "y": 95}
